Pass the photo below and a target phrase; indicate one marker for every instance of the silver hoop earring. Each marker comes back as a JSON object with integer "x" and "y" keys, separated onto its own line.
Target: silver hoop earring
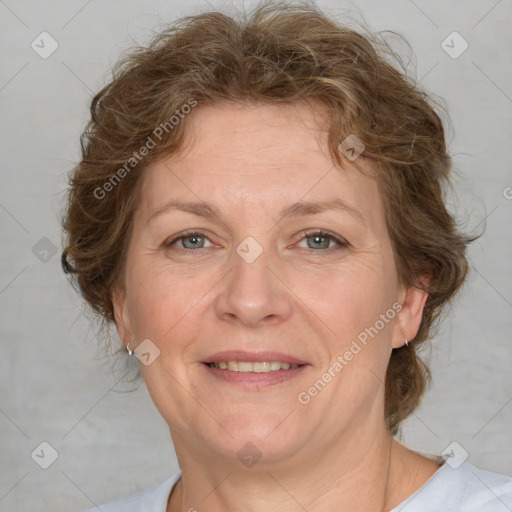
{"x": 403, "y": 334}
{"x": 130, "y": 351}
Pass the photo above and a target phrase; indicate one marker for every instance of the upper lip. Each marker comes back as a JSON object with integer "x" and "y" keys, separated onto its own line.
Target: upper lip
{"x": 242, "y": 355}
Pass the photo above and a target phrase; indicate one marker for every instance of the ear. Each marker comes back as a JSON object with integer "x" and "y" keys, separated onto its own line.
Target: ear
{"x": 409, "y": 317}
{"x": 122, "y": 318}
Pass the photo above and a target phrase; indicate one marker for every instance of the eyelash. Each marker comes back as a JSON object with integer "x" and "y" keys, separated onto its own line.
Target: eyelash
{"x": 305, "y": 234}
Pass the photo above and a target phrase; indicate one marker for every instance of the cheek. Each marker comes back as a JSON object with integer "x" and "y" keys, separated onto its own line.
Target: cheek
{"x": 161, "y": 300}
{"x": 349, "y": 298}
{"x": 340, "y": 300}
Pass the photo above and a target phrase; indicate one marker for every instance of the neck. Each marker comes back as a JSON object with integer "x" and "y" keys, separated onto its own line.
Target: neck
{"x": 363, "y": 472}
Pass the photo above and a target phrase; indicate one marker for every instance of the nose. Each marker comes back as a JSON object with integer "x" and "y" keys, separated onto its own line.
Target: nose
{"x": 254, "y": 294}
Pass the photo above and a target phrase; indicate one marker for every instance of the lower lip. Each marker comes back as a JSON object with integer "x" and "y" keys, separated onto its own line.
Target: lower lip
{"x": 254, "y": 380}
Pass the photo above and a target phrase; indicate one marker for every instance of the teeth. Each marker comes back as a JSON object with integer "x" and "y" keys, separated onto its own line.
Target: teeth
{"x": 247, "y": 366}
{"x": 261, "y": 367}
{"x": 243, "y": 367}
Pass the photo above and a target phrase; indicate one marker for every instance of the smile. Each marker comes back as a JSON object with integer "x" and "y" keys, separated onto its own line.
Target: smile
{"x": 256, "y": 367}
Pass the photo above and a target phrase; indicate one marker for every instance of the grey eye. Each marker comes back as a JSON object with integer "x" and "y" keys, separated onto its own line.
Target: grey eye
{"x": 321, "y": 240}
{"x": 188, "y": 241}
{"x": 192, "y": 241}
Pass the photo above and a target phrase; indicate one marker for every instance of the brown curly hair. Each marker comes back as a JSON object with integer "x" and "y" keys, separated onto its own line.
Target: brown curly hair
{"x": 281, "y": 52}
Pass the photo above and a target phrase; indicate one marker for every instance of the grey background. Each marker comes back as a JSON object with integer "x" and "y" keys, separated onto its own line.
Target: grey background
{"x": 54, "y": 386}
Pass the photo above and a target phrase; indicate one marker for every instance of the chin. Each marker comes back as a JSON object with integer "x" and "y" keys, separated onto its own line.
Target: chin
{"x": 266, "y": 439}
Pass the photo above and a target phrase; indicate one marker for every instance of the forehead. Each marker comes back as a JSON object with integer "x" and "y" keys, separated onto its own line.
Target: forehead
{"x": 257, "y": 156}
{"x": 242, "y": 130}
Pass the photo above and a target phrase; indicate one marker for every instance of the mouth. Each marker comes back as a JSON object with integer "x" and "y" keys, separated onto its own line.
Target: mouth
{"x": 257, "y": 367}
{"x": 254, "y": 371}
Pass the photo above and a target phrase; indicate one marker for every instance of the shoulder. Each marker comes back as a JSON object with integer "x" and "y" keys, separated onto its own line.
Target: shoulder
{"x": 459, "y": 486}
{"x": 153, "y": 499}
{"x": 486, "y": 491}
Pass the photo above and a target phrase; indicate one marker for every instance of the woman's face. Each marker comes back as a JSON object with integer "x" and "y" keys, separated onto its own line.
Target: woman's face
{"x": 264, "y": 285}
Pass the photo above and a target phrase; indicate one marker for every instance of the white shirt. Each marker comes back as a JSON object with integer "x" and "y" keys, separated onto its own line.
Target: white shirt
{"x": 464, "y": 489}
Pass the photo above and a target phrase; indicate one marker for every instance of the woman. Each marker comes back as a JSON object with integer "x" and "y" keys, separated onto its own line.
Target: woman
{"x": 259, "y": 211}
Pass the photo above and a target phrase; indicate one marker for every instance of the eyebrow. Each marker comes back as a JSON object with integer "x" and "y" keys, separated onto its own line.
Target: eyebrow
{"x": 300, "y": 208}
